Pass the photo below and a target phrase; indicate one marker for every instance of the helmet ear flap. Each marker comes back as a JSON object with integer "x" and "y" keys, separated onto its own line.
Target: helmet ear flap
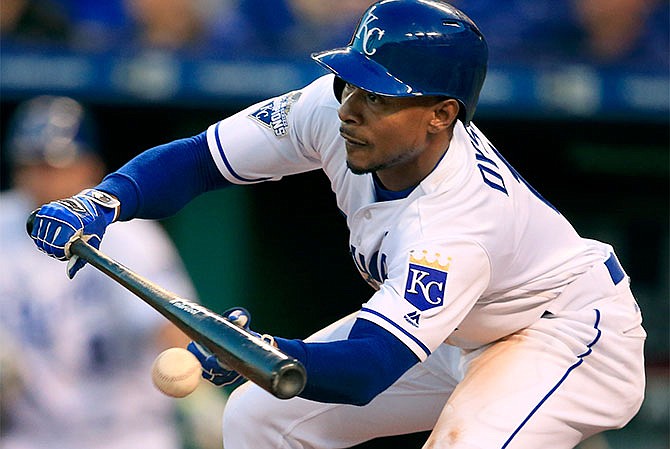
{"x": 338, "y": 88}
{"x": 462, "y": 113}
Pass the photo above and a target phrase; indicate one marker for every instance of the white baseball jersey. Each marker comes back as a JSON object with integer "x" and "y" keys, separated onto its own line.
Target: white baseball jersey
{"x": 471, "y": 255}
{"x": 550, "y": 335}
{"x": 83, "y": 348}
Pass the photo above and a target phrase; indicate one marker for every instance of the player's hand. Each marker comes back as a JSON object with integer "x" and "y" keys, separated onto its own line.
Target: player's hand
{"x": 212, "y": 369}
{"x": 242, "y": 318}
{"x": 56, "y": 224}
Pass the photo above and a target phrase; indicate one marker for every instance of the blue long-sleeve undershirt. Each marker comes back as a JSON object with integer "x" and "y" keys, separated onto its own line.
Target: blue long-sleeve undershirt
{"x": 160, "y": 181}
{"x": 352, "y": 371}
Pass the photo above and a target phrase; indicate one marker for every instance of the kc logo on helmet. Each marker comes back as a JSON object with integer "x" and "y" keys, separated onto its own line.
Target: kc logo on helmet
{"x": 368, "y": 34}
{"x": 426, "y": 281}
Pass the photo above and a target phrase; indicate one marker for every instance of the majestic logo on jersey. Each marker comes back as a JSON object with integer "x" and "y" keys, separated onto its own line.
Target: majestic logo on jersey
{"x": 274, "y": 114}
{"x": 426, "y": 281}
{"x": 368, "y": 35}
{"x": 413, "y": 318}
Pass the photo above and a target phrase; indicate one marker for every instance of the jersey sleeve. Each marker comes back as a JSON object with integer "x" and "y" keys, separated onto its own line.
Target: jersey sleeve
{"x": 273, "y": 138}
{"x": 430, "y": 289}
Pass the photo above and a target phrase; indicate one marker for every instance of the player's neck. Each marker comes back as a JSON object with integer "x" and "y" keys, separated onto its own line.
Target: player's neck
{"x": 410, "y": 173}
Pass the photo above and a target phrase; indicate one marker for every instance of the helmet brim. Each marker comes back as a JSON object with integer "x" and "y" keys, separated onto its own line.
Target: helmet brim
{"x": 357, "y": 69}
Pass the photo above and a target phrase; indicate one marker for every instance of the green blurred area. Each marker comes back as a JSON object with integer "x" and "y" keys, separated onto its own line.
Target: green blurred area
{"x": 213, "y": 236}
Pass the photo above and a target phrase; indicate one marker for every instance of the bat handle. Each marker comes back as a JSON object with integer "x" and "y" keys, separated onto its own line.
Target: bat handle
{"x": 30, "y": 223}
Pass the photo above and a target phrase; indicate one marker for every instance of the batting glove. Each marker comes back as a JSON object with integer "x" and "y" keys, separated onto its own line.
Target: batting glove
{"x": 56, "y": 224}
{"x": 212, "y": 369}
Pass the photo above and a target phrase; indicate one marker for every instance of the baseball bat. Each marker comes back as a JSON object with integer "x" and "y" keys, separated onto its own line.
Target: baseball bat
{"x": 238, "y": 349}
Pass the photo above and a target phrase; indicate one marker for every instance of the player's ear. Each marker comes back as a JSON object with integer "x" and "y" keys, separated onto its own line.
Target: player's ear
{"x": 444, "y": 115}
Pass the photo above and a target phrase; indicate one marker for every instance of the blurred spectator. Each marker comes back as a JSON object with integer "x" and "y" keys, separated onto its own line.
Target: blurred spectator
{"x": 610, "y": 33}
{"x": 33, "y": 22}
{"x": 619, "y": 33}
{"x": 324, "y": 25}
{"x": 280, "y": 28}
{"x": 624, "y": 32}
{"x": 113, "y": 25}
{"x": 96, "y": 25}
{"x": 77, "y": 354}
{"x": 519, "y": 31}
{"x": 176, "y": 25}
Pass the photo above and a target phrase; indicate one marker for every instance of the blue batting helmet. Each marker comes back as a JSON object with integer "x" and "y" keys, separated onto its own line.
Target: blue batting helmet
{"x": 405, "y": 48}
{"x": 50, "y": 130}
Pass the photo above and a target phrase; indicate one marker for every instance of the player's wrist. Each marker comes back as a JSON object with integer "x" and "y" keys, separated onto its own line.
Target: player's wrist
{"x": 107, "y": 204}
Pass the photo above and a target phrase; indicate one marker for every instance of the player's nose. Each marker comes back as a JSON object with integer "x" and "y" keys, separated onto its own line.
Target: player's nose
{"x": 350, "y": 106}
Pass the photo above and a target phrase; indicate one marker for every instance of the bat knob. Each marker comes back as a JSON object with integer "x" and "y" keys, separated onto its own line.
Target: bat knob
{"x": 290, "y": 379}
{"x": 30, "y": 221}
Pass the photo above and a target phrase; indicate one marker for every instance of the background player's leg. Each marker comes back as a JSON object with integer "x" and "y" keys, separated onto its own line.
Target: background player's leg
{"x": 254, "y": 419}
{"x": 569, "y": 376}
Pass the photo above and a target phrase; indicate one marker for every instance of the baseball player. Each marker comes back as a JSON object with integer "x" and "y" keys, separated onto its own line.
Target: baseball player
{"x": 79, "y": 352}
{"x": 492, "y": 322}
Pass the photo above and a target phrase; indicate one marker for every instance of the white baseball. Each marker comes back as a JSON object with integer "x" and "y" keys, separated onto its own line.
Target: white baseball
{"x": 176, "y": 372}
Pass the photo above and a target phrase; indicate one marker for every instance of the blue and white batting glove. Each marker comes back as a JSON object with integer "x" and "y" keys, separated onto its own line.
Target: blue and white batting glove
{"x": 56, "y": 224}
{"x": 212, "y": 369}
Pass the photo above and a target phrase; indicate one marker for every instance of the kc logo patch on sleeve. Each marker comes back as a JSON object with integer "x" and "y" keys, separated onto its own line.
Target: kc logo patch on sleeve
{"x": 426, "y": 280}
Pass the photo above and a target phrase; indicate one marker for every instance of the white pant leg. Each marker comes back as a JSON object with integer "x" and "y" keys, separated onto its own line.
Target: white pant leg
{"x": 255, "y": 419}
{"x": 571, "y": 375}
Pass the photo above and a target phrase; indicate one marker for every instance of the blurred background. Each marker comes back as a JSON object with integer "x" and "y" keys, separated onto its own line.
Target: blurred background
{"x": 577, "y": 98}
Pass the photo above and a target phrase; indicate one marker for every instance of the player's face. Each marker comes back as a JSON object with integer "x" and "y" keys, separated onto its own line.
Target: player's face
{"x": 392, "y": 136}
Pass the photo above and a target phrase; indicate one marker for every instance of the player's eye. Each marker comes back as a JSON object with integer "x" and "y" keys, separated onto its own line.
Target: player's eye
{"x": 373, "y": 98}
{"x": 369, "y": 96}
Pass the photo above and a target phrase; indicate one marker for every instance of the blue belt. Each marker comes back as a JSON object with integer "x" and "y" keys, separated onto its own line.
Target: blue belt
{"x": 616, "y": 272}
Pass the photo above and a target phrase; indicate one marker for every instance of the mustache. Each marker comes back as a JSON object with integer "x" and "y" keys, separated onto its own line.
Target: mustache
{"x": 351, "y": 137}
